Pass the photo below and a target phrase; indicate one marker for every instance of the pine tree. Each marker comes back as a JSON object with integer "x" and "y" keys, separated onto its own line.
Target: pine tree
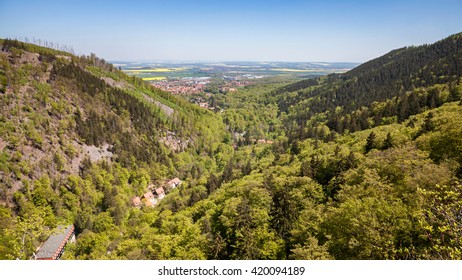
{"x": 388, "y": 143}
{"x": 247, "y": 169}
{"x": 212, "y": 184}
{"x": 370, "y": 142}
{"x": 428, "y": 123}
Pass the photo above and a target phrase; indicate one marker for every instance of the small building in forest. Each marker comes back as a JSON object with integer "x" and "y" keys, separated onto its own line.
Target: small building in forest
{"x": 160, "y": 192}
{"x": 136, "y": 201}
{"x": 149, "y": 199}
{"x": 53, "y": 248}
{"x": 148, "y": 196}
{"x": 174, "y": 183}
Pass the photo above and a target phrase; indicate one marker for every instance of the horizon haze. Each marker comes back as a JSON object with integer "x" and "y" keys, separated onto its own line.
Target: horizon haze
{"x": 289, "y": 31}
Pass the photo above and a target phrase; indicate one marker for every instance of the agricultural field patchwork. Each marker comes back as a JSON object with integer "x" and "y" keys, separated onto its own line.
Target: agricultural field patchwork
{"x": 245, "y": 70}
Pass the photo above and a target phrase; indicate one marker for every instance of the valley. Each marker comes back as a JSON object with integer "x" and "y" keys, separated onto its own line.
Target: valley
{"x": 277, "y": 161}
{"x": 193, "y": 77}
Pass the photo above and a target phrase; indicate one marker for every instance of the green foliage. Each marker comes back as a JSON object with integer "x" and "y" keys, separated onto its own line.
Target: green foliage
{"x": 8, "y": 44}
{"x": 4, "y": 69}
{"x": 22, "y": 238}
{"x": 280, "y": 173}
{"x": 441, "y": 222}
{"x": 370, "y": 142}
{"x": 103, "y": 222}
{"x": 397, "y": 85}
{"x": 367, "y": 228}
{"x": 388, "y": 143}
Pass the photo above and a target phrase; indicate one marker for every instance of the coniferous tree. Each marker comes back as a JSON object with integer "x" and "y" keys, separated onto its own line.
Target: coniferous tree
{"x": 388, "y": 143}
{"x": 370, "y": 142}
{"x": 247, "y": 168}
{"x": 284, "y": 214}
{"x": 428, "y": 123}
{"x": 212, "y": 184}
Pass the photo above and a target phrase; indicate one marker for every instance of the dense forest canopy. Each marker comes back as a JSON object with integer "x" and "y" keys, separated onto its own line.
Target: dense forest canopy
{"x": 361, "y": 165}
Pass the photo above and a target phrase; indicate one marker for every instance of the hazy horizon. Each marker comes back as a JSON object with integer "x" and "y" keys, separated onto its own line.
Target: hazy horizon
{"x": 173, "y": 61}
{"x": 284, "y": 31}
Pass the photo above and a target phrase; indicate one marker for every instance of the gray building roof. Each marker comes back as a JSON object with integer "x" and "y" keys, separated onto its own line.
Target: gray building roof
{"x": 52, "y": 247}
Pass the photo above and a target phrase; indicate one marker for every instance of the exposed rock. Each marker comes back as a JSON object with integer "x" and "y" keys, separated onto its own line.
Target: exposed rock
{"x": 118, "y": 84}
{"x": 174, "y": 142}
{"x": 167, "y": 110}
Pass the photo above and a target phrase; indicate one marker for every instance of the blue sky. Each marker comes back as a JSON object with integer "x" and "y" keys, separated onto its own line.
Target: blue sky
{"x": 351, "y": 31}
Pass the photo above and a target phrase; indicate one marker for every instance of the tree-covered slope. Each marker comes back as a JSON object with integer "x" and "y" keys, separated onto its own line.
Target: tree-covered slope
{"x": 63, "y": 117}
{"x": 405, "y": 77}
{"x": 374, "y": 174}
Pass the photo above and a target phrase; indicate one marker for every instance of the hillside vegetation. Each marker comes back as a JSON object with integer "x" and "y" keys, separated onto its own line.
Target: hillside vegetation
{"x": 397, "y": 85}
{"x": 362, "y": 165}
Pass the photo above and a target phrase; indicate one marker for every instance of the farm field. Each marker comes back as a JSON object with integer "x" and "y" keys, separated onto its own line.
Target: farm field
{"x": 157, "y": 78}
{"x": 155, "y": 71}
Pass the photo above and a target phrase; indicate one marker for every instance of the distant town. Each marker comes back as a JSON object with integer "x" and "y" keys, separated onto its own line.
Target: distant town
{"x": 194, "y": 85}
{"x": 198, "y": 81}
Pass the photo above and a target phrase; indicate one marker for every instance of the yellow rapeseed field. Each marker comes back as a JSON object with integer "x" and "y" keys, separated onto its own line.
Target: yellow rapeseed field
{"x": 153, "y": 70}
{"x": 154, "y": 78}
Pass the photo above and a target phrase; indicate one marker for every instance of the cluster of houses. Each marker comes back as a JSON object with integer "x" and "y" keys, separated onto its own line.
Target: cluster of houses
{"x": 154, "y": 195}
{"x": 54, "y": 247}
{"x": 260, "y": 141}
{"x": 188, "y": 85}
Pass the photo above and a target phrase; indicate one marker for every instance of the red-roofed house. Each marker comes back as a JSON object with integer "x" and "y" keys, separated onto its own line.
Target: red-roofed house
{"x": 136, "y": 201}
{"x": 160, "y": 192}
{"x": 149, "y": 199}
{"x": 174, "y": 183}
{"x": 148, "y": 195}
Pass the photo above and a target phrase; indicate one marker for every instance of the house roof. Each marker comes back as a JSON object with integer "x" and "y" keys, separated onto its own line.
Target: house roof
{"x": 160, "y": 191}
{"x": 175, "y": 181}
{"x": 136, "y": 200}
{"x": 55, "y": 243}
{"x": 148, "y": 202}
{"x": 148, "y": 195}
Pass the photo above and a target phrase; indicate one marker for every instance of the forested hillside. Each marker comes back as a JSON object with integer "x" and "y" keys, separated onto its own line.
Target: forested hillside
{"x": 66, "y": 121}
{"x": 362, "y": 165}
{"x": 401, "y": 83}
